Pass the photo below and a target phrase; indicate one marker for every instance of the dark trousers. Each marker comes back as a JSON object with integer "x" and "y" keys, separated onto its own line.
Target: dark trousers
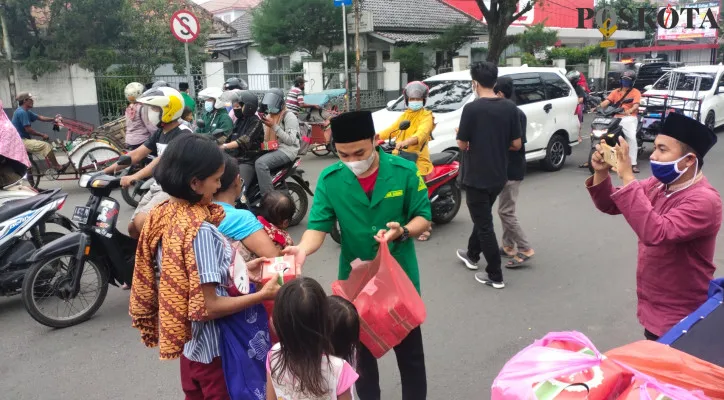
{"x": 482, "y": 240}
{"x": 201, "y": 381}
{"x": 410, "y": 361}
{"x": 650, "y": 336}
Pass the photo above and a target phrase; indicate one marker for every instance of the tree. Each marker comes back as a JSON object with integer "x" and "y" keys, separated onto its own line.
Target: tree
{"x": 499, "y": 15}
{"x": 412, "y": 61}
{"x": 281, "y": 27}
{"x": 453, "y": 38}
{"x": 537, "y": 39}
{"x": 147, "y": 43}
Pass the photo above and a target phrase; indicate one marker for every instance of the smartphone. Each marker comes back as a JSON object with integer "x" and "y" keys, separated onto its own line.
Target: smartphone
{"x": 609, "y": 155}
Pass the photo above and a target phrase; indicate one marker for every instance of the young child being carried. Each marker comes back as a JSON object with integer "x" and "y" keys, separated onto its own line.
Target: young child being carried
{"x": 277, "y": 210}
{"x": 301, "y": 365}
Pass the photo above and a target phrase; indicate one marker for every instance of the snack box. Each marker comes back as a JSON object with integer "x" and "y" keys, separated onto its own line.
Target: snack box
{"x": 273, "y": 267}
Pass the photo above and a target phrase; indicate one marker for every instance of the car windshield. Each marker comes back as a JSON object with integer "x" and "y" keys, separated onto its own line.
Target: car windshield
{"x": 445, "y": 96}
{"x": 686, "y": 82}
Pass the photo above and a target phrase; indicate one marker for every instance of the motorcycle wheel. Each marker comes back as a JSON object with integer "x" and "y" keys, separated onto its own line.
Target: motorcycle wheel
{"x": 48, "y": 280}
{"x": 320, "y": 150}
{"x": 133, "y": 195}
{"x": 336, "y": 233}
{"x": 301, "y": 202}
{"x": 450, "y": 215}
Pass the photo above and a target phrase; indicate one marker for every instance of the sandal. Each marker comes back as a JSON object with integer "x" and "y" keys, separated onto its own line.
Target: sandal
{"x": 516, "y": 263}
{"x": 635, "y": 169}
{"x": 584, "y": 165}
{"x": 504, "y": 253}
{"x": 425, "y": 236}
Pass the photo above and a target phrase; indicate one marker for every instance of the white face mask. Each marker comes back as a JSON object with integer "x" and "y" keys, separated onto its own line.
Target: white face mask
{"x": 154, "y": 117}
{"x": 475, "y": 90}
{"x": 360, "y": 167}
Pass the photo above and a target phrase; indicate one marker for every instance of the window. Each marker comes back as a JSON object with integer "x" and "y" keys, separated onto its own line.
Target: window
{"x": 445, "y": 96}
{"x": 686, "y": 82}
{"x": 386, "y": 55}
{"x": 556, "y": 87}
{"x": 371, "y": 58}
{"x": 528, "y": 88}
{"x": 279, "y": 64}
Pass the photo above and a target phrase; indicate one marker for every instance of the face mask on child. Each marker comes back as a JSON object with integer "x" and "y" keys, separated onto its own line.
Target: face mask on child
{"x": 415, "y": 105}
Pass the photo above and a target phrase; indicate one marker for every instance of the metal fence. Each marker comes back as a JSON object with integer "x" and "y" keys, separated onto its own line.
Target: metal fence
{"x": 111, "y": 91}
{"x": 276, "y": 79}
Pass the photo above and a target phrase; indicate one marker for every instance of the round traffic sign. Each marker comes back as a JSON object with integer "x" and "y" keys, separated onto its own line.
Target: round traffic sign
{"x": 185, "y": 26}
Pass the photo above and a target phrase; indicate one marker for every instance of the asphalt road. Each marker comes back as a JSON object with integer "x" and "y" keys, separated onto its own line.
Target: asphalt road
{"x": 582, "y": 278}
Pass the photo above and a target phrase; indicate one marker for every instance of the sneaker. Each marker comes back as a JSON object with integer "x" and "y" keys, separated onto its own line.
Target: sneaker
{"x": 463, "y": 256}
{"x": 483, "y": 278}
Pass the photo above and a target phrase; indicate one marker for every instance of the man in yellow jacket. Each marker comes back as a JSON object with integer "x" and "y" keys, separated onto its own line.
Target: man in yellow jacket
{"x": 415, "y": 138}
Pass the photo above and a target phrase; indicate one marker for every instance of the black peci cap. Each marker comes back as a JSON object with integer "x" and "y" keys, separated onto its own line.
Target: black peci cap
{"x": 689, "y": 131}
{"x": 352, "y": 127}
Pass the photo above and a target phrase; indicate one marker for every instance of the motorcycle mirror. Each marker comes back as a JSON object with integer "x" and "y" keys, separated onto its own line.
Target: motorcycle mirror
{"x": 404, "y": 125}
{"x": 124, "y": 161}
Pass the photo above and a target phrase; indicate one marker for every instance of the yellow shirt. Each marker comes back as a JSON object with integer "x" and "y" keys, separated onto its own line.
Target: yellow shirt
{"x": 421, "y": 125}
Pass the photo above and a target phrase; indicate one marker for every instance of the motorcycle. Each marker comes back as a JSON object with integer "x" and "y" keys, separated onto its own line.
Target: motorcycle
{"x": 442, "y": 185}
{"x": 606, "y": 124}
{"x": 298, "y": 190}
{"x": 133, "y": 194}
{"x": 22, "y": 232}
{"x": 60, "y": 269}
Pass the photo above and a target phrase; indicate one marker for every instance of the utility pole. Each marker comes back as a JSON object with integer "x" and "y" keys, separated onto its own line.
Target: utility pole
{"x": 9, "y": 57}
{"x": 356, "y": 45}
{"x": 346, "y": 54}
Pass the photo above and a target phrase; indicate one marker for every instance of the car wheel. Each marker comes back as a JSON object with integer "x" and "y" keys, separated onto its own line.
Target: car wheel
{"x": 555, "y": 154}
{"x": 710, "y": 121}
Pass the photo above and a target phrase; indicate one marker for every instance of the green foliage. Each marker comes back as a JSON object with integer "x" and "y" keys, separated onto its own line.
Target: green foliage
{"x": 411, "y": 61}
{"x": 537, "y": 38}
{"x": 297, "y": 66}
{"x": 453, "y": 38}
{"x": 283, "y": 26}
{"x": 96, "y": 34}
{"x": 528, "y": 58}
{"x": 575, "y": 55}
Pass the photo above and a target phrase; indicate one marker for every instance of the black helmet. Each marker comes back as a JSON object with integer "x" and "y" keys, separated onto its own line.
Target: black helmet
{"x": 629, "y": 75}
{"x": 235, "y": 83}
{"x": 273, "y": 101}
{"x": 573, "y": 77}
{"x": 250, "y": 102}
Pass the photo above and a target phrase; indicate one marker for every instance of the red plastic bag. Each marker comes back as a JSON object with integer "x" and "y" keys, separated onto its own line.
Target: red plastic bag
{"x": 643, "y": 388}
{"x": 387, "y": 302}
{"x": 669, "y": 365}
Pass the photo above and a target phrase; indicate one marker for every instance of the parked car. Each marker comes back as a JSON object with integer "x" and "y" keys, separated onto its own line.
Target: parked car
{"x": 646, "y": 73}
{"x": 546, "y": 97}
{"x": 711, "y": 93}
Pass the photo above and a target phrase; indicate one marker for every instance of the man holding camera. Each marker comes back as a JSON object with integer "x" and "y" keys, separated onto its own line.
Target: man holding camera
{"x": 676, "y": 215}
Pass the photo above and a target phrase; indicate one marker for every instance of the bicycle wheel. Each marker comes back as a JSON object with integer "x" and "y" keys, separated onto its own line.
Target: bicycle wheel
{"x": 97, "y": 159}
{"x": 33, "y": 175}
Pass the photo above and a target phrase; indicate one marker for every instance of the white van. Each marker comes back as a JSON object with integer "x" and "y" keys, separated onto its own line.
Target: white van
{"x": 544, "y": 94}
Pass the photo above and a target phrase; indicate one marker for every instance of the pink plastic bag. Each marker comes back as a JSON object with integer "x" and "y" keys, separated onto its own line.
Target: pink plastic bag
{"x": 387, "y": 302}
{"x": 562, "y": 365}
{"x": 647, "y": 388}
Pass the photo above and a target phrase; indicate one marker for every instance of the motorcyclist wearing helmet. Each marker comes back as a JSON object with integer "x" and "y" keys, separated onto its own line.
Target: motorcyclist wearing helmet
{"x": 235, "y": 83}
{"x": 417, "y": 136}
{"x": 164, "y": 106}
{"x": 215, "y": 116}
{"x": 138, "y": 127}
{"x": 629, "y": 118}
{"x": 281, "y": 135}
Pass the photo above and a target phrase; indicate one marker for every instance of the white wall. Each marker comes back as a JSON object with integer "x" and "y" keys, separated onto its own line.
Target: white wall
{"x": 257, "y": 64}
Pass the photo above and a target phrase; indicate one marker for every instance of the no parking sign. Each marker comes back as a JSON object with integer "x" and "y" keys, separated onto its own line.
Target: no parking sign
{"x": 185, "y": 26}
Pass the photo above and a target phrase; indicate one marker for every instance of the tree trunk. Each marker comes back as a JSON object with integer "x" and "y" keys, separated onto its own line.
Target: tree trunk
{"x": 496, "y": 43}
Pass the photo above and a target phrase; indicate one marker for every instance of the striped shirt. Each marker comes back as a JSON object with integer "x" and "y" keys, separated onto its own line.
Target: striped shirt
{"x": 213, "y": 258}
{"x": 294, "y": 98}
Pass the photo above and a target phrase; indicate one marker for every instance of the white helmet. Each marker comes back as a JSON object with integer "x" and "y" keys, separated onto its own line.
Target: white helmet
{"x": 134, "y": 89}
{"x": 169, "y": 99}
{"x": 213, "y": 93}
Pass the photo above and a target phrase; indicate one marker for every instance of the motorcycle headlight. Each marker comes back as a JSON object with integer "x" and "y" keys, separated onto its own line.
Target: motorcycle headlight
{"x": 598, "y": 133}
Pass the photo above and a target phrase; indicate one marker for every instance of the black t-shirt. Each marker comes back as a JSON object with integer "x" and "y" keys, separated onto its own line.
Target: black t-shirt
{"x": 580, "y": 93}
{"x": 489, "y": 125}
{"x": 516, "y": 159}
{"x": 158, "y": 142}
